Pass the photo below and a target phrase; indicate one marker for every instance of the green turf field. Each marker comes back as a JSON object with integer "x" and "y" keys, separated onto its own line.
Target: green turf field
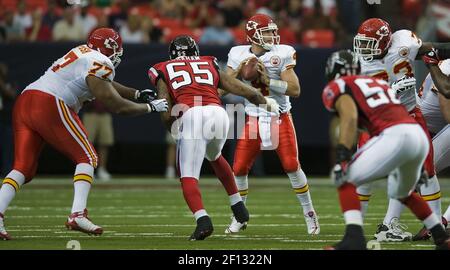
{"x": 151, "y": 214}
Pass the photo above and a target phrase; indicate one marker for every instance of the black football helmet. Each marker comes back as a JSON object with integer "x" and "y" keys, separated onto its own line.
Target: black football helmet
{"x": 342, "y": 63}
{"x": 183, "y": 46}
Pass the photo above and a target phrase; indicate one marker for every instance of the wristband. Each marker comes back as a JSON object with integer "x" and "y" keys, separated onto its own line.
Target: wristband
{"x": 149, "y": 108}
{"x": 136, "y": 94}
{"x": 278, "y": 86}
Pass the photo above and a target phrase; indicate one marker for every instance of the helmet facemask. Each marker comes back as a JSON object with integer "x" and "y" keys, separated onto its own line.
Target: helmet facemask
{"x": 260, "y": 39}
{"x": 366, "y": 47}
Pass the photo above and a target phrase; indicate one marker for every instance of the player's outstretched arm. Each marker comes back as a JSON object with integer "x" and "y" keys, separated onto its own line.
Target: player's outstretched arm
{"x": 142, "y": 96}
{"x": 163, "y": 93}
{"x": 125, "y": 91}
{"x": 234, "y": 86}
{"x": 105, "y": 92}
{"x": 348, "y": 120}
{"x": 440, "y": 80}
{"x": 442, "y": 49}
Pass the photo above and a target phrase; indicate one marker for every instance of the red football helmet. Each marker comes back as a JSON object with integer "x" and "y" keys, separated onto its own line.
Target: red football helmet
{"x": 262, "y": 31}
{"x": 108, "y": 42}
{"x": 373, "y": 38}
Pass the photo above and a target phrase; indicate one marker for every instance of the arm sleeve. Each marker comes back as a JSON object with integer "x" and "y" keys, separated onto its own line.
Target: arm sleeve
{"x": 154, "y": 74}
{"x": 233, "y": 62}
{"x": 330, "y": 94}
{"x": 290, "y": 59}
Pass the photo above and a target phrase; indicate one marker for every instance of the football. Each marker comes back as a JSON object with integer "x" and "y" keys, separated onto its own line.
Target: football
{"x": 249, "y": 71}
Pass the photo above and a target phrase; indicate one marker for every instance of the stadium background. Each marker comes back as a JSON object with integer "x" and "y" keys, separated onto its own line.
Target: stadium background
{"x": 314, "y": 27}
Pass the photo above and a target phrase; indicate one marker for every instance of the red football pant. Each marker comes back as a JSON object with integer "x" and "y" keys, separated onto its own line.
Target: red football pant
{"x": 40, "y": 118}
{"x": 416, "y": 113}
{"x": 248, "y": 148}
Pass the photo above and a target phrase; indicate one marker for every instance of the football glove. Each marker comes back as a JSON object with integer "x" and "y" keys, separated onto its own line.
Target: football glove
{"x": 159, "y": 105}
{"x": 343, "y": 157}
{"x": 404, "y": 84}
{"x": 431, "y": 57}
{"x": 146, "y": 95}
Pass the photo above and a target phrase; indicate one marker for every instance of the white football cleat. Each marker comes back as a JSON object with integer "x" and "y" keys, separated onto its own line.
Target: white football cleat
{"x": 312, "y": 222}
{"x": 79, "y": 221}
{"x": 3, "y": 233}
{"x": 393, "y": 232}
{"x": 235, "y": 226}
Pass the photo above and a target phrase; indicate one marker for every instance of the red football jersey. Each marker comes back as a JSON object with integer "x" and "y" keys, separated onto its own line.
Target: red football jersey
{"x": 191, "y": 80}
{"x": 378, "y": 108}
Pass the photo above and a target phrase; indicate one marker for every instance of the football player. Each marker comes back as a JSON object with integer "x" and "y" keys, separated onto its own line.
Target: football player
{"x": 46, "y": 112}
{"x": 390, "y": 56}
{"x": 264, "y": 130}
{"x": 398, "y": 146}
{"x": 433, "y": 99}
{"x": 190, "y": 83}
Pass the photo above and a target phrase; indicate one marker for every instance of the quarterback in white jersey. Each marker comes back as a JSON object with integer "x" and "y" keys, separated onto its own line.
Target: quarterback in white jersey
{"x": 46, "y": 112}
{"x": 274, "y": 131}
{"x": 279, "y": 59}
{"x": 390, "y": 56}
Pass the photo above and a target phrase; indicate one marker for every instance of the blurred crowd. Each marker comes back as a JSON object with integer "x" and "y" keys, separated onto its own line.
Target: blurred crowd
{"x": 311, "y": 23}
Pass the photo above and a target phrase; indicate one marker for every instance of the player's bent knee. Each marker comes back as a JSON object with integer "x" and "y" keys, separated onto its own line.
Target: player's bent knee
{"x": 240, "y": 169}
{"x": 291, "y": 165}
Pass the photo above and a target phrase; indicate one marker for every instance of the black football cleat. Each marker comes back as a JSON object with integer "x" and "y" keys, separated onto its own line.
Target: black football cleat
{"x": 240, "y": 212}
{"x": 422, "y": 235}
{"x": 353, "y": 240}
{"x": 425, "y": 234}
{"x": 204, "y": 229}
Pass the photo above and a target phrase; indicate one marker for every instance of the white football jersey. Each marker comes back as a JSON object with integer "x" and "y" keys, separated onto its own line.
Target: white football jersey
{"x": 428, "y": 99}
{"x": 277, "y": 60}
{"x": 66, "y": 78}
{"x": 396, "y": 63}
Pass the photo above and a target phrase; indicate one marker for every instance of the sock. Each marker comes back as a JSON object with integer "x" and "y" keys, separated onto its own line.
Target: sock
{"x": 395, "y": 209}
{"x": 192, "y": 195}
{"x": 235, "y": 198}
{"x": 432, "y": 195}
{"x": 223, "y": 171}
{"x": 447, "y": 214}
{"x": 350, "y": 205}
{"x": 364, "y": 201}
{"x": 11, "y": 184}
{"x": 301, "y": 189}
{"x": 82, "y": 181}
{"x": 242, "y": 185}
{"x": 364, "y": 193}
{"x": 200, "y": 213}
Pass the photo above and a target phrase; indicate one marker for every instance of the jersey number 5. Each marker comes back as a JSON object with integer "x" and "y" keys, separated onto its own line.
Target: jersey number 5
{"x": 182, "y": 77}
{"x": 375, "y": 94}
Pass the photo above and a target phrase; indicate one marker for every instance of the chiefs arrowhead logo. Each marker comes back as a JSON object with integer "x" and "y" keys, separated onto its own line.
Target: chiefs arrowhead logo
{"x": 251, "y": 25}
{"x": 383, "y": 31}
{"x": 111, "y": 43}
